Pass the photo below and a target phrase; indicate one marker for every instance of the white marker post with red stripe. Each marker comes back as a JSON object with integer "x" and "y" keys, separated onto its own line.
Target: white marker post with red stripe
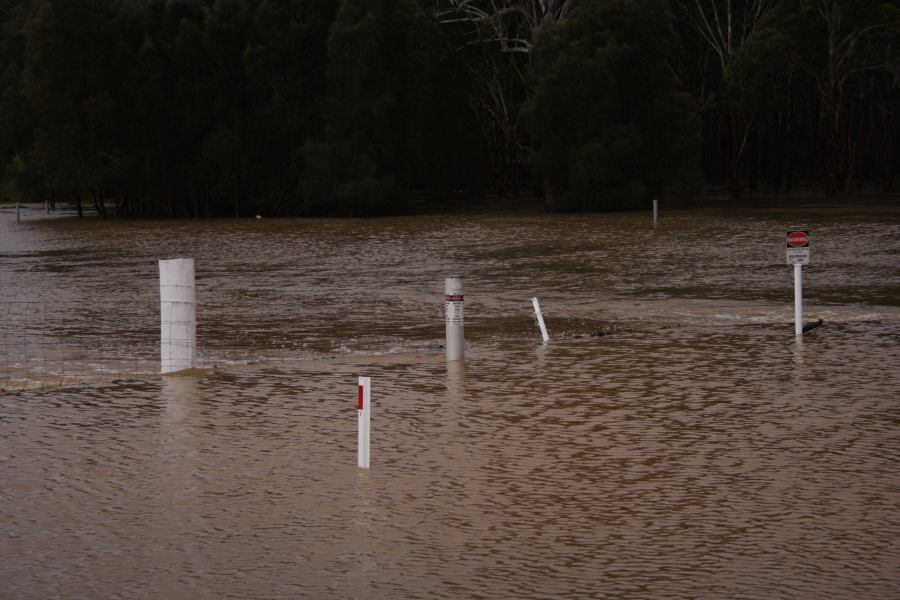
{"x": 453, "y": 316}
{"x": 798, "y": 255}
{"x": 364, "y": 412}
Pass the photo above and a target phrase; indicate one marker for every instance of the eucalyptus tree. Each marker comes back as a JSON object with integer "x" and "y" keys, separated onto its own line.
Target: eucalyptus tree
{"x": 724, "y": 28}
{"x": 497, "y": 37}
{"x": 851, "y": 51}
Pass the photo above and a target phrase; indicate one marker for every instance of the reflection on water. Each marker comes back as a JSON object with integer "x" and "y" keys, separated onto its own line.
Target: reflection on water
{"x": 695, "y": 449}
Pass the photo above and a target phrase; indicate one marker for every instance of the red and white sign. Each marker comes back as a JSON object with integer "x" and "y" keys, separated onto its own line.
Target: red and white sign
{"x": 797, "y": 243}
{"x": 798, "y": 239}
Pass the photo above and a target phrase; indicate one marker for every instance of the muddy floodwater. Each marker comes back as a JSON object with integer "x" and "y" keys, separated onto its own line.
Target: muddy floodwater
{"x": 673, "y": 440}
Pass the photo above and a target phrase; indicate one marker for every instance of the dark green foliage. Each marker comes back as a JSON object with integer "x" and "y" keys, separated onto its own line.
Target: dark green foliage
{"x": 610, "y": 127}
{"x": 194, "y": 108}
{"x": 15, "y": 115}
{"x": 371, "y": 148}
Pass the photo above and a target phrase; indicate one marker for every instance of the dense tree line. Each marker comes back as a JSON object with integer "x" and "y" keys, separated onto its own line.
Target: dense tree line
{"x": 352, "y": 107}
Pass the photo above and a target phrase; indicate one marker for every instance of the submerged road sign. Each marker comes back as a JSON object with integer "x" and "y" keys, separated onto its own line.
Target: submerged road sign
{"x": 797, "y": 243}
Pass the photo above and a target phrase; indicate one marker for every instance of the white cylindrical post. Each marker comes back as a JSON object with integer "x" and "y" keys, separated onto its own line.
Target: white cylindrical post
{"x": 798, "y": 299}
{"x": 364, "y": 417}
{"x": 18, "y": 219}
{"x": 453, "y": 304}
{"x": 178, "y": 315}
{"x": 540, "y": 320}
{"x": 655, "y": 212}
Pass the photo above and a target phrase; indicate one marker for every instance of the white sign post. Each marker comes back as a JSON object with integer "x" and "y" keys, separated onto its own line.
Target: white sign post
{"x": 798, "y": 300}
{"x": 797, "y": 243}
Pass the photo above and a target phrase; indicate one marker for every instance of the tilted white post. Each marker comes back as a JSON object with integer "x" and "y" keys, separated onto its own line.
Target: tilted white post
{"x": 364, "y": 414}
{"x": 178, "y": 315}
{"x": 540, "y": 320}
{"x": 798, "y": 300}
{"x": 453, "y": 304}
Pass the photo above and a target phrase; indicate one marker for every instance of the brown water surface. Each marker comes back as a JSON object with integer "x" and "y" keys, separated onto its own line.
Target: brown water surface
{"x": 695, "y": 450}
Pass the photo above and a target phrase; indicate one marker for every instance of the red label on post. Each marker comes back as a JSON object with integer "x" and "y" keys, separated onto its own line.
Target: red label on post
{"x": 450, "y": 298}
{"x": 359, "y": 406}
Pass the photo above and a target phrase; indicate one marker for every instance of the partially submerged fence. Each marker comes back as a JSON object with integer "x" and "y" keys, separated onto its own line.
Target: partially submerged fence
{"x": 53, "y": 344}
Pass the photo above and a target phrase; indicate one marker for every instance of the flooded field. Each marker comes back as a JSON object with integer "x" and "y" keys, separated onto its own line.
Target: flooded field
{"x": 673, "y": 440}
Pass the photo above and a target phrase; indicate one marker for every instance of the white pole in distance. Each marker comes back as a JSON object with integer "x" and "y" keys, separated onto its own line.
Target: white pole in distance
{"x": 798, "y": 299}
{"x": 540, "y": 320}
{"x": 364, "y": 414}
{"x": 453, "y": 315}
{"x": 178, "y": 315}
{"x": 655, "y": 212}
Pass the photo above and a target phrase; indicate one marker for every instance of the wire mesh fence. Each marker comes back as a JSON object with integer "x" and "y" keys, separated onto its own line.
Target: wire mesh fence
{"x": 46, "y": 345}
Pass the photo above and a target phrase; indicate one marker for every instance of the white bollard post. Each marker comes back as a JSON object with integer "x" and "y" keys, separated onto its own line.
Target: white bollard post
{"x": 540, "y": 320}
{"x": 453, "y": 303}
{"x": 798, "y": 300}
{"x": 364, "y": 414}
{"x": 655, "y": 212}
{"x": 178, "y": 315}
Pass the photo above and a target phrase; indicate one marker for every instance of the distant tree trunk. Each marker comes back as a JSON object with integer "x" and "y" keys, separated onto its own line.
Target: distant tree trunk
{"x": 887, "y": 178}
{"x": 734, "y": 182}
{"x": 834, "y": 142}
{"x": 724, "y": 27}
{"x": 99, "y": 205}
{"x": 549, "y": 200}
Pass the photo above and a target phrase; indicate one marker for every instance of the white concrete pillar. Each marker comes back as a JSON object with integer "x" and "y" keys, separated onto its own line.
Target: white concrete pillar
{"x": 178, "y": 315}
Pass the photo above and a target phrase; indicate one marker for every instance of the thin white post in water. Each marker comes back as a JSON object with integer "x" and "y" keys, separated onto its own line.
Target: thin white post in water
{"x": 453, "y": 303}
{"x": 540, "y": 319}
{"x": 798, "y": 300}
{"x": 178, "y": 315}
{"x": 364, "y": 414}
{"x": 18, "y": 218}
{"x": 655, "y": 212}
